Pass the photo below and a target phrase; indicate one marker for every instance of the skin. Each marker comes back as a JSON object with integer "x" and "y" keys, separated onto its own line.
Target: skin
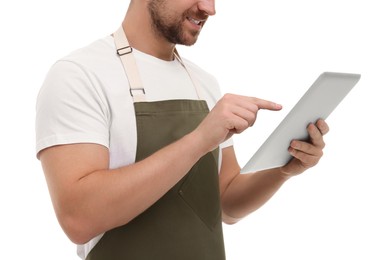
{"x": 89, "y": 198}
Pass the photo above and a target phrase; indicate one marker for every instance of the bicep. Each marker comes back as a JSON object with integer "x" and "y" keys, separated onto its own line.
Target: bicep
{"x": 65, "y": 165}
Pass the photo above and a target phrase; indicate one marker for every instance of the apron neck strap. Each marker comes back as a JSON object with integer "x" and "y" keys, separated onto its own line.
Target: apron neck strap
{"x": 125, "y": 52}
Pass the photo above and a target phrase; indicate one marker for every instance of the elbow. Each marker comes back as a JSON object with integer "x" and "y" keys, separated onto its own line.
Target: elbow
{"x": 76, "y": 228}
{"x": 229, "y": 220}
{"x": 228, "y": 217}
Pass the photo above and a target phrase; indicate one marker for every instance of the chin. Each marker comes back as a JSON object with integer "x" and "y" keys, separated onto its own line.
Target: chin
{"x": 189, "y": 40}
{"x": 189, "y": 43}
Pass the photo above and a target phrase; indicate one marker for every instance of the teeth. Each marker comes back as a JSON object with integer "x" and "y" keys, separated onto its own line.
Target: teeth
{"x": 197, "y": 22}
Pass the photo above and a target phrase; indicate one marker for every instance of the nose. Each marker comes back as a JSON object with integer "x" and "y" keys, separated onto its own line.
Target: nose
{"x": 207, "y": 6}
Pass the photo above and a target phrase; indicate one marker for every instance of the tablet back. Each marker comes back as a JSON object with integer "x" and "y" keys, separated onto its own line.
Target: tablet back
{"x": 318, "y": 102}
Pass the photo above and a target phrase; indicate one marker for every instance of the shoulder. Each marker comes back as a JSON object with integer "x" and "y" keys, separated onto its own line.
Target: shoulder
{"x": 93, "y": 57}
{"x": 93, "y": 68}
{"x": 79, "y": 79}
{"x": 73, "y": 103}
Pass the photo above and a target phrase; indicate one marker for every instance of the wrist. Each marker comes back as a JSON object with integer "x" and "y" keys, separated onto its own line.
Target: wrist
{"x": 284, "y": 173}
{"x": 198, "y": 143}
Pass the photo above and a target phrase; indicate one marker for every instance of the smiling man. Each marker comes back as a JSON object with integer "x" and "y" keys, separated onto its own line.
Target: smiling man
{"x": 135, "y": 142}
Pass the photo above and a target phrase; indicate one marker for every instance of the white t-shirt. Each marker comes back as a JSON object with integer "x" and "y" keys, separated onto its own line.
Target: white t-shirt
{"x": 85, "y": 99}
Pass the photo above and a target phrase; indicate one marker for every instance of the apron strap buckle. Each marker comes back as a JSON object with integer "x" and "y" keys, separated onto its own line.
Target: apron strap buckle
{"x": 136, "y": 89}
{"x": 138, "y": 94}
{"x": 124, "y": 50}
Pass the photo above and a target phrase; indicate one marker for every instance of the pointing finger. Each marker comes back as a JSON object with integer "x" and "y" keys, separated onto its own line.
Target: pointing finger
{"x": 268, "y": 105}
{"x": 264, "y": 104}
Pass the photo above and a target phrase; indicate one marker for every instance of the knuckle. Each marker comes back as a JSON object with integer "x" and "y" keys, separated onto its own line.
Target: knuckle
{"x": 315, "y": 161}
{"x": 254, "y": 108}
{"x": 227, "y": 96}
{"x": 252, "y": 119}
{"x": 254, "y": 100}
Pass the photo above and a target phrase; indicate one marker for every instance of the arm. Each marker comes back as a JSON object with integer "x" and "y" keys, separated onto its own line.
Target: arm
{"x": 242, "y": 194}
{"x": 90, "y": 199}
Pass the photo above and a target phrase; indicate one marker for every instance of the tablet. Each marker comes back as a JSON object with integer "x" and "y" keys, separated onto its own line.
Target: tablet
{"x": 318, "y": 102}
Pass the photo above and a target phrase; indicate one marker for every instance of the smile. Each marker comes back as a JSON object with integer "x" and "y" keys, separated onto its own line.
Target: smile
{"x": 195, "y": 21}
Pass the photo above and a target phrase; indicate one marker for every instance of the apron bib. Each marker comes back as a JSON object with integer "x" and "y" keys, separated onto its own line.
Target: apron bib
{"x": 184, "y": 224}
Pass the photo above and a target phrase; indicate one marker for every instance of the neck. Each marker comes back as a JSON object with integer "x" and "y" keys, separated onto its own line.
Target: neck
{"x": 140, "y": 34}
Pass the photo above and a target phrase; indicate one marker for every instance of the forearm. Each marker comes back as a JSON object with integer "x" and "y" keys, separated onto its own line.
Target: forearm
{"x": 248, "y": 192}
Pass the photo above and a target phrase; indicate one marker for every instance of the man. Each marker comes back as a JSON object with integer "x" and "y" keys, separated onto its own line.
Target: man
{"x": 136, "y": 164}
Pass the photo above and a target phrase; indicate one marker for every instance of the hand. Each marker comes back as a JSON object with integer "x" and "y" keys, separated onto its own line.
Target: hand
{"x": 307, "y": 154}
{"x": 232, "y": 114}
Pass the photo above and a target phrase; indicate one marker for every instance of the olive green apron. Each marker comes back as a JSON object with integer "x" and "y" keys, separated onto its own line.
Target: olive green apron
{"x": 185, "y": 223}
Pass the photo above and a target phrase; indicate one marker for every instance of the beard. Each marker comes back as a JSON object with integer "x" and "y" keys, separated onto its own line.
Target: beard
{"x": 170, "y": 25}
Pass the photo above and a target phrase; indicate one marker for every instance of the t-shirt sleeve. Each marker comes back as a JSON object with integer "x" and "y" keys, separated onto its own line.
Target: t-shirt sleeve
{"x": 71, "y": 108}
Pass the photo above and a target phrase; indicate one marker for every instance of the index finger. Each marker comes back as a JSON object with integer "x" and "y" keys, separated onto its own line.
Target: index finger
{"x": 245, "y": 101}
{"x": 266, "y": 104}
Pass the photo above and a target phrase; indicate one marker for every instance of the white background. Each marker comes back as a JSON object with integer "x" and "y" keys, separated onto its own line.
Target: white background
{"x": 270, "y": 49}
